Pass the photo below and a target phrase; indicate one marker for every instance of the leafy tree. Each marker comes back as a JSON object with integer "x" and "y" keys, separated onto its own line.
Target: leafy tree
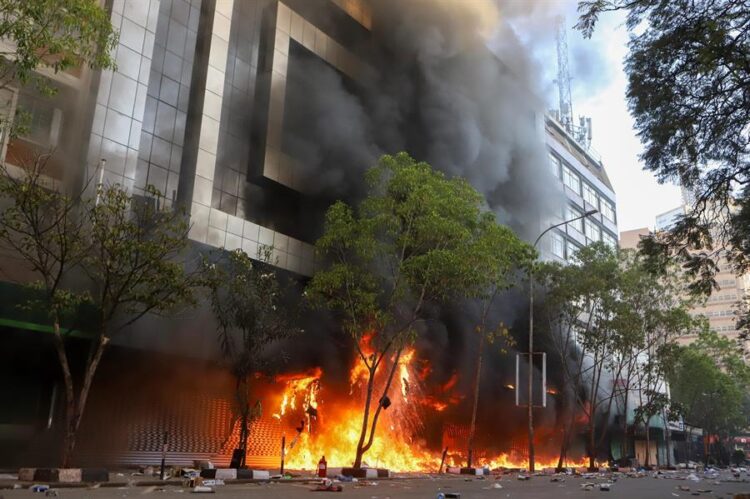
{"x": 134, "y": 259}
{"x": 713, "y": 397}
{"x": 45, "y": 229}
{"x": 500, "y": 254}
{"x": 653, "y": 312}
{"x": 411, "y": 241}
{"x": 126, "y": 249}
{"x": 245, "y": 298}
{"x": 610, "y": 318}
{"x": 689, "y": 77}
{"x": 54, "y": 34}
{"x": 579, "y": 302}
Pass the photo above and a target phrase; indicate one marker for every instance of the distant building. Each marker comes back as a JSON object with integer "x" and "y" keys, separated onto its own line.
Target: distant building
{"x": 586, "y": 186}
{"x": 721, "y": 306}
{"x": 666, "y": 221}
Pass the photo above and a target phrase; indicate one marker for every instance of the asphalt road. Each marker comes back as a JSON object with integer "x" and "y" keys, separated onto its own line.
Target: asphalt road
{"x": 537, "y": 487}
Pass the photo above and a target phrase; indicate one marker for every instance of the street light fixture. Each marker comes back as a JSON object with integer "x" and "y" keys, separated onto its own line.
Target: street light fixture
{"x": 531, "y": 335}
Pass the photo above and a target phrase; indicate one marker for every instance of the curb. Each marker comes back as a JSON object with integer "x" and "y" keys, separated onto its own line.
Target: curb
{"x": 63, "y": 475}
{"x": 455, "y": 470}
{"x": 235, "y": 474}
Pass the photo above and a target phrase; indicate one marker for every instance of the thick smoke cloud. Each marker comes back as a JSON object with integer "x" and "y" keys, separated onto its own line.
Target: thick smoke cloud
{"x": 455, "y": 86}
{"x": 439, "y": 92}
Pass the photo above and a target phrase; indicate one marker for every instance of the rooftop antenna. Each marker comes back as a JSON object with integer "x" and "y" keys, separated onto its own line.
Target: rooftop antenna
{"x": 563, "y": 76}
{"x": 581, "y": 131}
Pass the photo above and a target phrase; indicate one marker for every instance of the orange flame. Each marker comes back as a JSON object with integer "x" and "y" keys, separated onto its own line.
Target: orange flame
{"x": 333, "y": 429}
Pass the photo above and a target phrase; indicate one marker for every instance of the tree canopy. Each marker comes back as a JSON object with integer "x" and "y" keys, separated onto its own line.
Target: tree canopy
{"x": 688, "y": 71}
{"x": 418, "y": 237}
{"x": 57, "y": 34}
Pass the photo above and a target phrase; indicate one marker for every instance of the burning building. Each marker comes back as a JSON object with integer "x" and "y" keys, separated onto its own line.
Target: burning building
{"x": 255, "y": 116}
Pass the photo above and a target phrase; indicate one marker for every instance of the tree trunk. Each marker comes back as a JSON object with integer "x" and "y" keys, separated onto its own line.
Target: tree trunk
{"x": 592, "y": 443}
{"x": 667, "y": 438}
{"x": 243, "y": 403}
{"x": 70, "y": 402}
{"x": 477, "y": 378}
{"x": 387, "y": 388}
{"x": 565, "y": 443}
{"x": 76, "y": 408}
{"x": 648, "y": 444}
{"x": 624, "y": 443}
{"x": 365, "y": 417}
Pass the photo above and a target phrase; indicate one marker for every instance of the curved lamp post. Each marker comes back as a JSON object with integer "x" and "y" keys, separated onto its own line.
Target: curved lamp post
{"x": 531, "y": 335}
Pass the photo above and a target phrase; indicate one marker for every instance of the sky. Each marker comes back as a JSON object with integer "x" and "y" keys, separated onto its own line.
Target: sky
{"x": 598, "y": 89}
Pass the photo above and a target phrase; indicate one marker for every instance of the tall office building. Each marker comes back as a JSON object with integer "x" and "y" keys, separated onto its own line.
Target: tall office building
{"x": 587, "y": 187}
{"x": 211, "y": 103}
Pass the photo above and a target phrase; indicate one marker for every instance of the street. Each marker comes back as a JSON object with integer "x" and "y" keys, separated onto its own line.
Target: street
{"x": 428, "y": 487}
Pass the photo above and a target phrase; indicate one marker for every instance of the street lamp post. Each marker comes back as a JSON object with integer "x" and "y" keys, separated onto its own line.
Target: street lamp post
{"x": 531, "y": 335}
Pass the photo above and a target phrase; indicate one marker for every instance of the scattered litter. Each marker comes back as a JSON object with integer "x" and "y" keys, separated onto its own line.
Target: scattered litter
{"x": 676, "y": 495}
{"x": 327, "y": 485}
{"x": 557, "y": 479}
{"x": 51, "y": 493}
{"x": 524, "y": 477}
{"x": 212, "y": 482}
{"x": 704, "y": 491}
{"x": 497, "y": 486}
{"x": 39, "y": 488}
{"x": 449, "y": 495}
{"x": 202, "y": 489}
{"x": 693, "y": 477}
{"x": 587, "y": 486}
{"x": 604, "y": 487}
{"x": 683, "y": 488}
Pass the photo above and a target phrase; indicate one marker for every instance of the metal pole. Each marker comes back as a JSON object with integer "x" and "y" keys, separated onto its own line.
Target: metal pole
{"x": 163, "y": 455}
{"x": 283, "y": 452}
{"x": 531, "y": 336}
{"x": 531, "y": 370}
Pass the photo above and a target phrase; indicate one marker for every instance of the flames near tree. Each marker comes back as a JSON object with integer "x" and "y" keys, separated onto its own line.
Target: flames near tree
{"x": 330, "y": 422}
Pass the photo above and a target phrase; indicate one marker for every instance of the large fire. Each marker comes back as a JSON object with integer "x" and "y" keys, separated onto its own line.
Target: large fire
{"x": 319, "y": 427}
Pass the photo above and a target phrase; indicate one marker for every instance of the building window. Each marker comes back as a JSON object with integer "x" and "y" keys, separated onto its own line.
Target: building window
{"x": 558, "y": 245}
{"x": 609, "y": 240}
{"x": 571, "y": 179}
{"x": 592, "y": 231}
{"x": 576, "y": 224}
{"x": 554, "y": 165}
{"x": 42, "y": 121}
{"x": 572, "y": 250}
{"x": 590, "y": 195}
{"x": 608, "y": 210}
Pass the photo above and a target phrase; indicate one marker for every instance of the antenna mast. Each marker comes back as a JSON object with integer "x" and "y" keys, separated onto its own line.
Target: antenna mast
{"x": 582, "y": 131}
{"x": 563, "y": 76}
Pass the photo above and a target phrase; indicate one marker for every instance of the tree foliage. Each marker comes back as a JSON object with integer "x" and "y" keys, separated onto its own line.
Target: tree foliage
{"x": 417, "y": 237}
{"x": 613, "y": 324}
{"x": 246, "y": 301}
{"x": 688, "y": 73}
{"x": 709, "y": 380}
{"x": 56, "y": 34}
{"x": 129, "y": 252}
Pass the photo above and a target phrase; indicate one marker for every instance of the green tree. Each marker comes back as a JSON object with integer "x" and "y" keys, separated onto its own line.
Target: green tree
{"x": 688, "y": 71}
{"x": 126, "y": 249}
{"x": 711, "y": 387}
{"x": 500, "y": 255}
{"x": 54, "y": 34}
{"x": 579, "y": 305}
{"x": 411, "y": 241}
{"x": 652, "y": 312}
{"x": 246, "y": 301}
{"x": 135, "y": 261}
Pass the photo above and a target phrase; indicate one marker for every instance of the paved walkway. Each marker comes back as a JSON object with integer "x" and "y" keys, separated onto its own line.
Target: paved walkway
{"x": 428, "y": 487}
